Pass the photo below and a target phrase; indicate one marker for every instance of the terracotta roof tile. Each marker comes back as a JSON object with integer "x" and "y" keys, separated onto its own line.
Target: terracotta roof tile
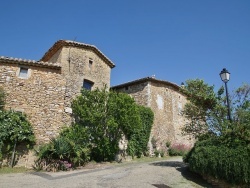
{"x": 4, "y": 59}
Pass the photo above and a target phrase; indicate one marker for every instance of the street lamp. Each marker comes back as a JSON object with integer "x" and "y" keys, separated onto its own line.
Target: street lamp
{"x": 225, "y": 75}
{"x": 182, "y": 85}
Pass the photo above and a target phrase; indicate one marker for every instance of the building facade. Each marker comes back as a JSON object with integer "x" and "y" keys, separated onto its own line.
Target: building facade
{"x": 167, "y": 103}
{"x": 44, "y": 89}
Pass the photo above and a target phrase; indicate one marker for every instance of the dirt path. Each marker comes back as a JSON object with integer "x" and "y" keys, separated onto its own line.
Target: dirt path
{"x": 162, "y": 174}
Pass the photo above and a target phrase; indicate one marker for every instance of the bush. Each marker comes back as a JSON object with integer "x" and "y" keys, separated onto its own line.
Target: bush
{"x": 107, "y": 116}
{"x": 15, "y": 129}
{"x": 102, "y": 119}
{"x": 177, "y": 149}
{"x": 67, "y": 151}
{"x": 230, "y": 164}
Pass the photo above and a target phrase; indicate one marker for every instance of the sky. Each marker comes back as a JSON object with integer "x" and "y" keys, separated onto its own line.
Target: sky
{"x": 175, "y": 40}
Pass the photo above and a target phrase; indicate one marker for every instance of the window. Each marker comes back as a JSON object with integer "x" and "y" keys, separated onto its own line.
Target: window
{"x": 23, "y": 73}
{"x": 87, "y": 84}
{"x": 90, "y": 63}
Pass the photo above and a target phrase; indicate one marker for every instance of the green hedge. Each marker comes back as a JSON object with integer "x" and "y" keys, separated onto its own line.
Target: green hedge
{"x": 227, "y": 163}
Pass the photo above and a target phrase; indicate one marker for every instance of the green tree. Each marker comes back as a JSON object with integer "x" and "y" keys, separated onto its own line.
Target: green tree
{"x": 205, "y": 110}
{"x": 222, "y": 149}
{"x": 107, "y": 116}
{"x": 14, "y": 130}
{"x": 102, "y": 118}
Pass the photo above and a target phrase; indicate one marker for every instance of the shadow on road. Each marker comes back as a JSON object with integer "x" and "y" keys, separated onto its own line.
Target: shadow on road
{"x": 185, "y": 172}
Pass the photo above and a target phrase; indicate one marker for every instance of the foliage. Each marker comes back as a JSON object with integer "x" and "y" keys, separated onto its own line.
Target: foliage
{"x": 138, "y": 142}
{"x": 14, "y": 128}
{"x": 107, "y": 116}
{"x": 207, "y": 110}
{"x": 223, "y": 150}
{"x": 102, "y": 118}
{"x": 178, "y": 149}
{"x": 79, "y": 141}
{"x": 66, "y": 151}
{"x": 159, "y": 153}
{"x": 204, "y": 110}
{"x": 2, "y": 98}
{"x": 168, "y": 144}
{"x": 212, "y": 157}
{"x": 93, "y": 111}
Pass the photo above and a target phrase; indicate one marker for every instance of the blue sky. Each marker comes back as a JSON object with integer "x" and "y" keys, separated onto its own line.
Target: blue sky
{"x": 174, "y": 40}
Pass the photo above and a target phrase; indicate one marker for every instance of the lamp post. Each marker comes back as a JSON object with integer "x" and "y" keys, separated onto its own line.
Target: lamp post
{"x": 225, "y": 75}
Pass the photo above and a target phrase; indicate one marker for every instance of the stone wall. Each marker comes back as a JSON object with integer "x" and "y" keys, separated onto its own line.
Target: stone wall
{"x": 40, "y": 96}
{"x": 76, "y": 68}
{"x": 167, "y": 103}
{"x": 46, "y": 95}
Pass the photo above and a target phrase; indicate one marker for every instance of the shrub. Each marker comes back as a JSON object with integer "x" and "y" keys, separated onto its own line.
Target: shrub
{"x": 14, "y": 130}
{"x": 107, "y": 116}
{"x": 67, "y": 151}
{"x": 168, "y": 144}
{"x": 230, "y": 164}
{"x": 177, "y": 149}
{"x": 157, "y": 153}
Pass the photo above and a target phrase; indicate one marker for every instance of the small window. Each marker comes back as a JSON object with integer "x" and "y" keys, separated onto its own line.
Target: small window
{"x": 87, "y": 84}
{"x": 90, "y": 63}
{"x": 23, "y": 73}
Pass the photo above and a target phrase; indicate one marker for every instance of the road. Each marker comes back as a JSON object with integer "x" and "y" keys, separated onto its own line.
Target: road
{"x": 171, "y": 173}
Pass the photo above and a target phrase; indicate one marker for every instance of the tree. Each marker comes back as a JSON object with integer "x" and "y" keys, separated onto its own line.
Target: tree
{"x": 206, "y": 110}
{"x": 14, "y": 130}
{"x": 107, "y": 116}
{"x": 102, "y": 118}
{"x": 223, "y": 147}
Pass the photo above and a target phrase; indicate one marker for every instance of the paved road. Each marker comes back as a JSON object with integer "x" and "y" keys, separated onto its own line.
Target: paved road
{"x": 163, "y": 174}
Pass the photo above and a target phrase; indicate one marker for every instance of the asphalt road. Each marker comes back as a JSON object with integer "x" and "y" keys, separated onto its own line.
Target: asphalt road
{"x": 162, "y": 174}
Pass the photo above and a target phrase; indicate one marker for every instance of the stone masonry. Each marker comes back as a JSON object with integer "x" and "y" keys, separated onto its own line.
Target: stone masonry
{"x": 167, "y": 102}
{"x": 44, "y": 89}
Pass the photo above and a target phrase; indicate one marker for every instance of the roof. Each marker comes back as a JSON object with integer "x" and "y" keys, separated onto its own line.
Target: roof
{"x": 142, "y": 80}
{"x": 4, "y": 59}
{"x": 61, "y": 43}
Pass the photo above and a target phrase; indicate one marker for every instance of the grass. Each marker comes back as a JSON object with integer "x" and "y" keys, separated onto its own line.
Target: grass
{"x": 149, "y": 159}
{"x": 8, "y": 170}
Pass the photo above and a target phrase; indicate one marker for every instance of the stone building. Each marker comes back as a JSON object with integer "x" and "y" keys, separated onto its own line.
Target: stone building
{"x": 44, "y": 89}
{"x": 167, "y": 102}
